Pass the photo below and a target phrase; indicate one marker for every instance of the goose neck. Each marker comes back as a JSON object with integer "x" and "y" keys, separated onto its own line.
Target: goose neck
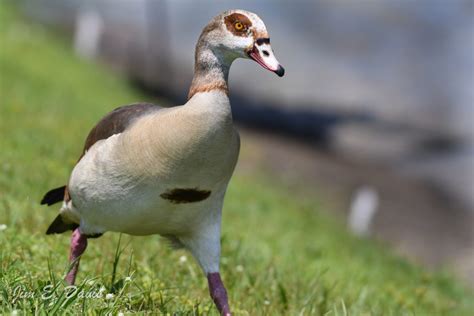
{"x": 211, "y": 71}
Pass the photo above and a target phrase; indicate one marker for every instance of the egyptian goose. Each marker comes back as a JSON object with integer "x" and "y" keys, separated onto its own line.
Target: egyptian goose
{"x": 151, "y": 170}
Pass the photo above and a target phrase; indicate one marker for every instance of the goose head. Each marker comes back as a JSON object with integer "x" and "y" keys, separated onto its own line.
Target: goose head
{"x": 240, "y": 34}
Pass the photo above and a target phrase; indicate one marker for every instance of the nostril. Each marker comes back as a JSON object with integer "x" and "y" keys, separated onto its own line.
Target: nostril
{"x": 266, "y": 53}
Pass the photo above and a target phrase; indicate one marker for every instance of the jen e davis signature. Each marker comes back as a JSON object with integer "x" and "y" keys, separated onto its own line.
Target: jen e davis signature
{"x": 49, "y": 292}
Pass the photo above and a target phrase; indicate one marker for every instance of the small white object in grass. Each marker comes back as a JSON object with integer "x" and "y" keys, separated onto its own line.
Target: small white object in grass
{"x": 363, "y": 208}
{"x": 3, "y": 227}
{"x": 102, "y": 290}
{"x": 120, "y": 314}
{"x": 14, "y": 312}
{"x": 128, "y": 279}
{"x": 266, "y": 302}
{"x": 239, "y": 268}
{"x": 183, "y": 259}
{"x": 109, "y": 296}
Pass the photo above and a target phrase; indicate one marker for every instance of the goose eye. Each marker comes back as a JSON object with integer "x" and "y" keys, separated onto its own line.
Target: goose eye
{"x": 238, "y": 26}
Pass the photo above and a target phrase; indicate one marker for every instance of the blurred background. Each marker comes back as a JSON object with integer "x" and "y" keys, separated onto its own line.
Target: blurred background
{"x": 375, "y": 112}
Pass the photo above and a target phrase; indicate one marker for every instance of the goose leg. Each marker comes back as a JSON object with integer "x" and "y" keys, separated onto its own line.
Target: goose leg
{"x": 218, "y": 293}
{"x": 205, "y": 245}
{"x": 78, "y": 246}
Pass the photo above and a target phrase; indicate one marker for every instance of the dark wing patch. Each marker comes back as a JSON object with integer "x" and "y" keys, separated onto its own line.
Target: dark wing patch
{"x": 117, "y": 121}
{"x": 178, "y": 196}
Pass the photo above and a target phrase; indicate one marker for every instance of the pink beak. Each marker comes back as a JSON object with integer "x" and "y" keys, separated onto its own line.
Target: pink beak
{"x": 262, "y": 53}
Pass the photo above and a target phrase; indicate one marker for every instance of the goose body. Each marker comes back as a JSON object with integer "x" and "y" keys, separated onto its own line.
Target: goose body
{"x": 151, "y": 170}
{"x": 124, "y": 185}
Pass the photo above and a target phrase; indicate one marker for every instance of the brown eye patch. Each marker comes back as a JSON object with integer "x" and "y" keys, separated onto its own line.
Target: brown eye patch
{"x": 238, "y": 24}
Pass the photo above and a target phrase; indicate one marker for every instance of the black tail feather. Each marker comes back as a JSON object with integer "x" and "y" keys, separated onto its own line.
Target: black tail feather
{"x": 58, "y": 226}
{"x": 54, "y": 196}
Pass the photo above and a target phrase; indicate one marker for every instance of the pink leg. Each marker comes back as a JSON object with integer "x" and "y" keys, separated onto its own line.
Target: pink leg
{"x": 78, "y": 246}
{"x": 218, "y": 293}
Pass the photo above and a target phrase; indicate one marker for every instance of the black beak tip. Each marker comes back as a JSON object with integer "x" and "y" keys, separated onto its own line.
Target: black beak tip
{"x": 280, "y": 71}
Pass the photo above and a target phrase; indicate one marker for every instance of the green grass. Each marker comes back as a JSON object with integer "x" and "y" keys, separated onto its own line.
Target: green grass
{"x": 281, "y": 256}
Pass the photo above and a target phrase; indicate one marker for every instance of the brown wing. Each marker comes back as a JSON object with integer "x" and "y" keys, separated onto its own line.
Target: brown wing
{"x": 115, "y": 122}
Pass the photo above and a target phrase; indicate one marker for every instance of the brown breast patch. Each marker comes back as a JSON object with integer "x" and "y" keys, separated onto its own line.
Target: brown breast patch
{"x": 233, "y": 19}
{"x": 178, "y": 195}
{"x": 221, "y": 86}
